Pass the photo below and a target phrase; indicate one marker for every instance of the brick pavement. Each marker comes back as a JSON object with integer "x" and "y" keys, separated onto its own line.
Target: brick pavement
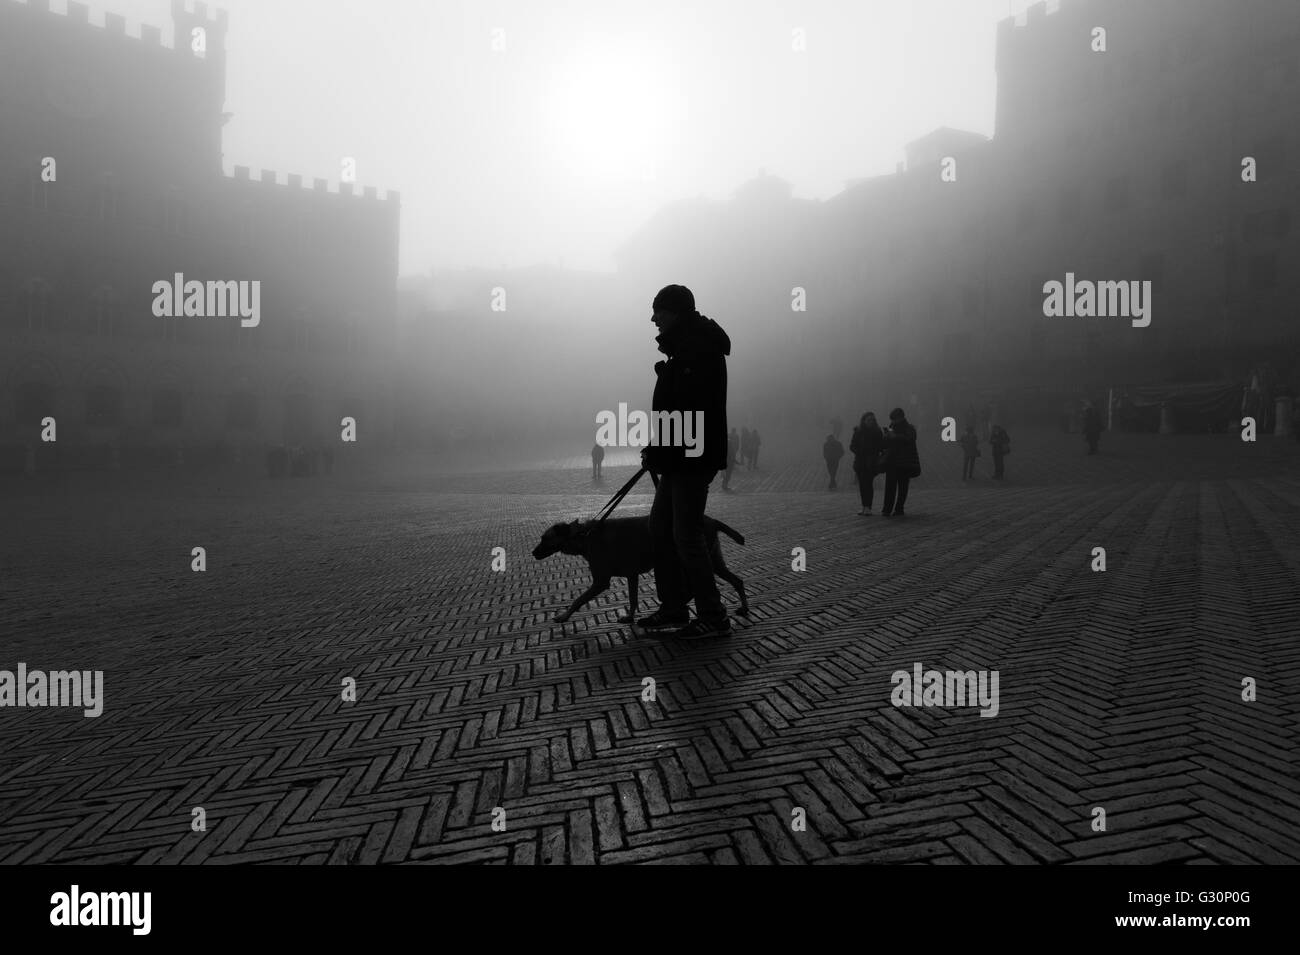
{"x": 1119, "y": 690}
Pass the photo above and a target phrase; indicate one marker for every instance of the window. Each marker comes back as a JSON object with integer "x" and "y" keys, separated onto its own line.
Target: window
{"x": 103, "y": 406}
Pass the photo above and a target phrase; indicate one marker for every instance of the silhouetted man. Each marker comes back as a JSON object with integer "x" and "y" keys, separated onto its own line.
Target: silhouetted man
{"x": 733, "y": 448}
{"x": 1092, "y": 428}
{"x": 832, "y": 451}
{"x": 693, "y": 379}
{"x": 597, "y": 456}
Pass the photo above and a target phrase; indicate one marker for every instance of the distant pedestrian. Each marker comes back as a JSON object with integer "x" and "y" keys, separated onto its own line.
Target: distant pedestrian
{"x": 868, "y": 441}
{"x": 970, "y": 448}
{"x": 597, "y": 458}
{"x": 832, "y": 451}
{"x": 901, "y": 462}
{"x": 755, "y": 443}
{"x": 1092, "y": 428}
{"x": 746, "y": 447}
{"x": 1000, "y": 442}
{"x": 733, "y": 448}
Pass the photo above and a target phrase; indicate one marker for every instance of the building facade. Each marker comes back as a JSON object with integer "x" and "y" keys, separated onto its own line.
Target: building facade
{"x": 113, "y": 178}
{"x": 926, "y": 286}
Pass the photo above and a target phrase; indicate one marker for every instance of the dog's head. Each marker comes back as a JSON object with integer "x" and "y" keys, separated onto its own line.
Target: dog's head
{"x": 559, "y": 538}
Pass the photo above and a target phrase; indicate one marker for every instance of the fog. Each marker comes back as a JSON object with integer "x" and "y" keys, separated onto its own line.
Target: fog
{"x": 556, "y": 152}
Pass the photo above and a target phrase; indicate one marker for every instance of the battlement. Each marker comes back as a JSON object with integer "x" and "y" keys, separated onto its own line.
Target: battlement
{"x": 1011, "y": 29}
{"x": 270, "y": 179}
{"x": 181, "y": 10}
{"x": 78, "y": 14}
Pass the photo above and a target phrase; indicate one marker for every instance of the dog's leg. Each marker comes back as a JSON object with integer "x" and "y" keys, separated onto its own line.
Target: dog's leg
{"x": 739, "y": 584}
{"x": 721, "y": 569}
{"x": 595, "y": 590}
{"x": 631, "y": 599}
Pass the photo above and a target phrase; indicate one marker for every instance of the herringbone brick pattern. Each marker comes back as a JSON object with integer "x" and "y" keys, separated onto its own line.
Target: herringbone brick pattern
{"x": 1119, "y": 690}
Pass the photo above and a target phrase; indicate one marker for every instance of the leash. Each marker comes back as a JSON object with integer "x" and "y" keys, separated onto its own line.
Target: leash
{"x": 608, "y": 509}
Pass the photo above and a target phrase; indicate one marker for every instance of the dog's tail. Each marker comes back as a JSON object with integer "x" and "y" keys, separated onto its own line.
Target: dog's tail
{"x": 731, "y": 532}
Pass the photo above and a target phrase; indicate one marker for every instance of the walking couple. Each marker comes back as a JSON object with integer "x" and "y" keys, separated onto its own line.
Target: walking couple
{"x": 891, "y": 451}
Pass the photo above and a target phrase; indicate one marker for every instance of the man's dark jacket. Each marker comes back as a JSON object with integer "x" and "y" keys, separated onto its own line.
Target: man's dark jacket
{"x": 693, "y": 378}
{"x": 900, "y": 443}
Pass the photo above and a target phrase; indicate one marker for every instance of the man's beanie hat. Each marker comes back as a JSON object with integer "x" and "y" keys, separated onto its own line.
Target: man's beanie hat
{"x": 896, "y": 414}
{"x": 675, "y": 298}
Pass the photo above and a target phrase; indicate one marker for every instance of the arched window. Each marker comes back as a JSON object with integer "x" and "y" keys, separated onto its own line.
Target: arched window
{"x": 103, "y": 406}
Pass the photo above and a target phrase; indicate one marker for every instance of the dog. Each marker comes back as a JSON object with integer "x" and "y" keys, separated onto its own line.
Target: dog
{"x": 622, "y": 547}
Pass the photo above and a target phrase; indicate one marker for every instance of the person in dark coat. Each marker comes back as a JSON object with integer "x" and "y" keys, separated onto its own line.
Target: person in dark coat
{"x": 832, "y": 451}
{"x": 692, "y": 379}
{"x": 597, "y": 456}
{"x": 970, "y": 448}
{"x": 901, "y": 462}
{"x": 733, "y": 448}
{"x": 868, "y": 441}
{"x": 1092, "y": 428}
{"x": 746, "y": 447}
{"x": 1000, "y": 443}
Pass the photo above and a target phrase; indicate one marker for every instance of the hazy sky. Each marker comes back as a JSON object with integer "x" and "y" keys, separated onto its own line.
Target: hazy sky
{"x": 595, "y": 113}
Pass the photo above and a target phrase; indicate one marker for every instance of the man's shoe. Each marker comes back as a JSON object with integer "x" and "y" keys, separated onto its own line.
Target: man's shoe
{"x": 699, "y": 630}
{"x": 899, "y": 513}
{"x": 661, "y": 621}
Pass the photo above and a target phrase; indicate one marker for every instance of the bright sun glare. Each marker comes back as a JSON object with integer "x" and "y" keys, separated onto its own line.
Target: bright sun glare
{"x": 608, "y": 114}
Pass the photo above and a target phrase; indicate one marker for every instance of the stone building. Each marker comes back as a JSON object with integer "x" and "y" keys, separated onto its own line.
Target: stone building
{"x": 1122, "y": 165}
{"x": 112, "y": 180}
